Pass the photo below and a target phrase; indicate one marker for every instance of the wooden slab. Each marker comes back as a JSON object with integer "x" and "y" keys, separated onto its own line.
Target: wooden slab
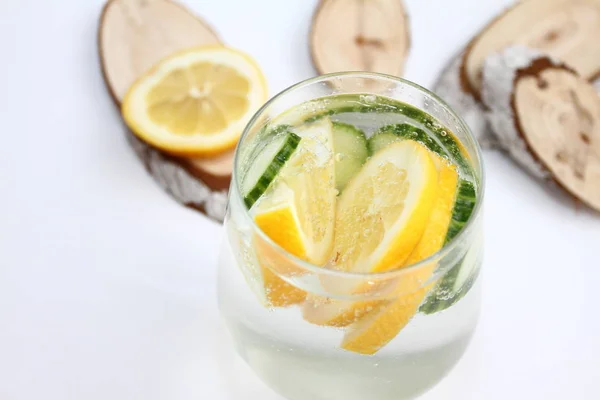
{"x": 448, "y": 87}
{"x": 359, "y": 35}
{"x": 133, "y": 35}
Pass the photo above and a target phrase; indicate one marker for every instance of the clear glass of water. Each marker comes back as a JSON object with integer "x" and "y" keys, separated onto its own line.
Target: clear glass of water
{"x": 305, "y": 329}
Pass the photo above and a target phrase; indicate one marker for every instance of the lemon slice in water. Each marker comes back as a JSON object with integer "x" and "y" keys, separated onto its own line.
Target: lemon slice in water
{"x": 297, "y": 212}
{"x": 373, "y": 331}
{"x": 380, "y": 218}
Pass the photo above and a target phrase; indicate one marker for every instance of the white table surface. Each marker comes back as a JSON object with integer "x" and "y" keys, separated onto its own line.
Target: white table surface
{"x": 107, "y": 286}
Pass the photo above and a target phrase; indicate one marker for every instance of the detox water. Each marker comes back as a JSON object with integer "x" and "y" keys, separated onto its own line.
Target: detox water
{"x": 301, "y": 360}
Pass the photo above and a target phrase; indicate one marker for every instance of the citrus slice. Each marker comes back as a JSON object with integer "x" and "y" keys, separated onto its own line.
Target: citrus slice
{"x": 297, "y": 212}
{"x": 383, "y": 211}
{"x": 195, "y": 102}
{"x": 375, "y": 329}
{"x": 380, "y": 218}
{"x": 325, "y": 311}
{"x": 279, "y": 221}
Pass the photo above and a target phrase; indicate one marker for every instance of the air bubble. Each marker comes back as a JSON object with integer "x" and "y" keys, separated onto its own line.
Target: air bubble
{"x": 368, "y": 98}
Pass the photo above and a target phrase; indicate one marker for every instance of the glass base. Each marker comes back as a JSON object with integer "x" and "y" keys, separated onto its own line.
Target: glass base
{"x": 301, "y": 374}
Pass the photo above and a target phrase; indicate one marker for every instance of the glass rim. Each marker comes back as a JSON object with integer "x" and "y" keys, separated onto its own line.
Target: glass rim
{"x": 441, "y": 253}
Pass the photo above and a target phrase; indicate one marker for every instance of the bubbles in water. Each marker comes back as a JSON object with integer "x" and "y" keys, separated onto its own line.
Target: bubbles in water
{"x": 444, "y": 294}
{"x": 339, "y": 157}
{"x": 368, "y": 98}
{"x": 443, "y": 133}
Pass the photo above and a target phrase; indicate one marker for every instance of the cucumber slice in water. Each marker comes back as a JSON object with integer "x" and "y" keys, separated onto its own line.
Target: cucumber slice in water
{"x": 368, "y": 103}
{"x": 463, "y": 207}
{"x": 392, "y": 133}
{"x": 457, "y": 282}
{"x": 265, "y": 167}
{"x": 350, "y": 148}
{"x": 381, "y": 140}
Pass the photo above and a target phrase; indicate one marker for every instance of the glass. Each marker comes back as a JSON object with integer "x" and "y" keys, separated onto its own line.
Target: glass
{"x": 300, "y": 360}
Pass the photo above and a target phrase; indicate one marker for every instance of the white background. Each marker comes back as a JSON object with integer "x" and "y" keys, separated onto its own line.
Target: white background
{"x": 107, "y": 286}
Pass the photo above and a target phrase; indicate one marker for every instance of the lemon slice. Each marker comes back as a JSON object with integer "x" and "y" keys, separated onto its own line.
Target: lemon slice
{"x": 297, "y": 212}
{"x": 279, "y": 221}
{"x": 324, "y": 311}
{"x": 383, "y": 212}
{"x": 381, "y": 216}
{"x": 377, "y": 328}
{"x": 195, "y": 102}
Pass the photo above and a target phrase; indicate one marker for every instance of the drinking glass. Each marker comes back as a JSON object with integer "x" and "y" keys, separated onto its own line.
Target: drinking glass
{"x": 303, "y": 361}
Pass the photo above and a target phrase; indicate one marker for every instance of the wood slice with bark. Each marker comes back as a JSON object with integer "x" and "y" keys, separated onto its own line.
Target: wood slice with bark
{"x": 133, "y": 35}
{"x": 449, "y": 88}
{"x": 547, "y": 117}
{"x": 360, "y": 35}
{"x": 566, "y": 29}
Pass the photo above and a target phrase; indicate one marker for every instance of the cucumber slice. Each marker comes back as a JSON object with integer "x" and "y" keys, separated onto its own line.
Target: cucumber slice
{"x": 391, "y": 133}
{"x": 463, "y": 208}
{"x": 265, "y": 167}
{"x": 263, "y": 137}
{"x": 381, "y": 140}
{"x": 350, "y": 148}
{"x": 455, "y": 285}
{"x": 315, "y": 109}
{"x": 457, "y": 282}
